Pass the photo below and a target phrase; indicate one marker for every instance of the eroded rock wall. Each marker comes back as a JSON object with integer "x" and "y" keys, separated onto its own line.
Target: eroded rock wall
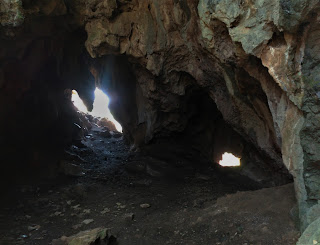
{"x": 256, "y": 60}
{"x": 168, "y": 53}
{"x": 282, "y": 34}
{"x": 39, "y": 59}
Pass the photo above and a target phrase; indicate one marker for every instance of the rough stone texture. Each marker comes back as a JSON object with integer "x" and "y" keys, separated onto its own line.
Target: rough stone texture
{"x": 11, "y": 13}
{"x": 88, "y": 237}
{"x": 240, "y": 76}
{"x": 311, "y": 235}
{"x": 164, "y": 46}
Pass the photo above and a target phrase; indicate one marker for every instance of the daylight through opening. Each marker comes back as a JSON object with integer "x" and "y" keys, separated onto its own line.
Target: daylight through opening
{"x": 229, "y": 160}
{"x": 100, "y": 106}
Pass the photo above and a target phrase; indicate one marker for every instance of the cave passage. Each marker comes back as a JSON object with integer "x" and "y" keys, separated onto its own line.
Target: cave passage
{"x": 76, "y": 171}
{"x": 100, "y": 106}
{"x": 163, "y": 156}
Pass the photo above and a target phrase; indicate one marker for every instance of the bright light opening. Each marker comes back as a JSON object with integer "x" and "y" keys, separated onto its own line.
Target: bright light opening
{"x": 229, "y": 160}
{"x": 100, "y": 106}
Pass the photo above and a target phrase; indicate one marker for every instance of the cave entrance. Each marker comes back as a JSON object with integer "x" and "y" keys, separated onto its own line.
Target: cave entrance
{"x": 100, "y": 106}
{"x": 215, "y": 139}
{"x": 229, "y": 160}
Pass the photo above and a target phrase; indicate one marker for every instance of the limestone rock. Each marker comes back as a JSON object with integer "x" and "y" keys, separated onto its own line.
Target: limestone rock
{"x": 88, "y": 237}
{"x": 311, "y": 235}
{"x": 145, "y": 205}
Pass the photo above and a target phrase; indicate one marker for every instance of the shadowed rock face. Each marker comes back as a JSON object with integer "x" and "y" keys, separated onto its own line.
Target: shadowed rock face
{"x": 240, "y": 76}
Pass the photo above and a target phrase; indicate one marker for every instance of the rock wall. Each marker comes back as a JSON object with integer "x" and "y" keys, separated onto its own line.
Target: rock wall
{"x": 247, "y": 68}
{"x": 39, "y": 59}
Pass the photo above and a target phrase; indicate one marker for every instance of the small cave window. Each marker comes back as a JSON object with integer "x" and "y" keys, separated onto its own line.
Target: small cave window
{"x": 229, "y": 160}
{"x": 100, "y": 106}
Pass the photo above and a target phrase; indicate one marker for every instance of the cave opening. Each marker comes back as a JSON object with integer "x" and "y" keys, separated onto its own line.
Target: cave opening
{"x": 197, "y": 130}
{"x": 100, "y": 106}
{"x": 179, "y": 142}
{"x": 230, "y": 160}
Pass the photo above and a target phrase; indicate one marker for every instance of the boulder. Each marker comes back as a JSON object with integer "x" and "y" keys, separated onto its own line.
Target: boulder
{"x": 88, "y": 237}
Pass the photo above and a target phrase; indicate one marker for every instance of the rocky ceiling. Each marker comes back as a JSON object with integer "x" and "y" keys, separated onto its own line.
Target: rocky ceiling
{"x": 222, "y": 75}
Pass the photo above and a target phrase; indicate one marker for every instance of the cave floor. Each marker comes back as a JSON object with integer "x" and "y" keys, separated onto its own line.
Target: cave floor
{"x": 200, "y": 206}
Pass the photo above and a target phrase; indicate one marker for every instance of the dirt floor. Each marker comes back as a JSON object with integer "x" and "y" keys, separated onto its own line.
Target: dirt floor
{"x": 195, "y": 206}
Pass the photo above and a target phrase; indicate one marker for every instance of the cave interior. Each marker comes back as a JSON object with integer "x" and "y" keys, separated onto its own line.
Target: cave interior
{"x": 182, "y": 99}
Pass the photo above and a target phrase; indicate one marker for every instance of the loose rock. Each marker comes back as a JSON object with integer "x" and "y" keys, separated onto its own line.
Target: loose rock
{"x": 87, "y": 221}
{"x": 33, "y": 227}
{"x": 145, "y": 205}
{"x": 129, "y": 216}
{"x": 87, "y": 237}
{"x": 71, "y": 169}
